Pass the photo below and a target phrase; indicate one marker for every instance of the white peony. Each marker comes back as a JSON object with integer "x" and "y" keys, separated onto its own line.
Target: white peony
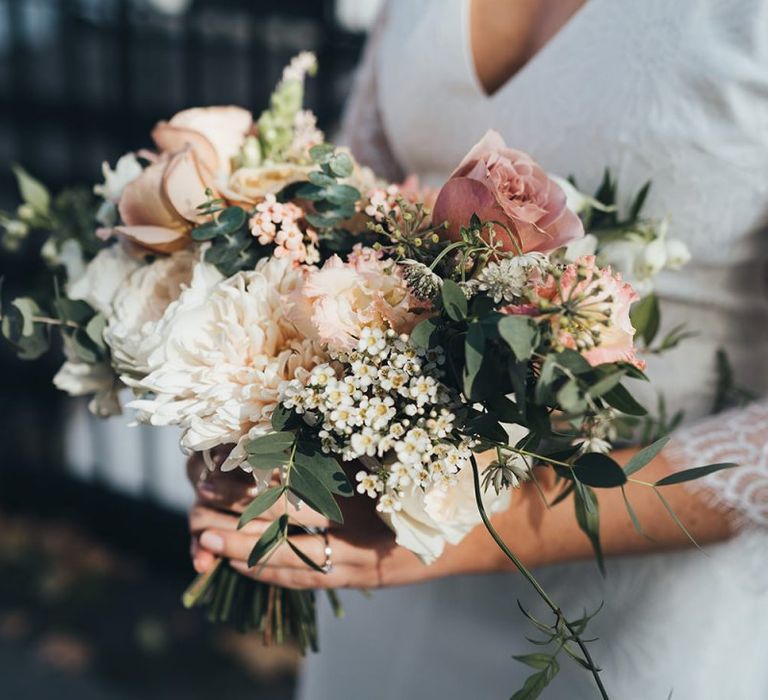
{"x": 142, "y": 300}
{"x": 222, "y": 355}
{"x": 102, "y": 277}
{"x": 429, "y": 518}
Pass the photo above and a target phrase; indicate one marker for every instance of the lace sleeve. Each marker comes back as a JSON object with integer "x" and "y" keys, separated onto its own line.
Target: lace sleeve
{"x": 362, "y": 128}
{"x": 741, "y": 436}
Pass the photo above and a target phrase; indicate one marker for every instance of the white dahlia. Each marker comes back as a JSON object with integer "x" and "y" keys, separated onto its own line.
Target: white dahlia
{"x": 221, "y": 358}
{"x": 142, "y": 300}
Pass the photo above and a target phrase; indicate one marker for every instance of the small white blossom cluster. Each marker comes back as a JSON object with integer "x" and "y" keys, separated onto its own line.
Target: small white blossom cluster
{"x": 383, "y": 403}
{"x": 599, "y": 432}
{"x": 278, "y": 223}
{"x": 305, "y": 136}
{"x": 507, "y": 279}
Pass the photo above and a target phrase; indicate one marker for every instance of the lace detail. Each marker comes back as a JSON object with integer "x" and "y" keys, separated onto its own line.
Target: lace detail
{"x": 738, "y": 435}
{"x": 362, "y": 127}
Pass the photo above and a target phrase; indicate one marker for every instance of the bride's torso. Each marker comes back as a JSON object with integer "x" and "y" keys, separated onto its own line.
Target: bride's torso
{"x": 674, "y": 92}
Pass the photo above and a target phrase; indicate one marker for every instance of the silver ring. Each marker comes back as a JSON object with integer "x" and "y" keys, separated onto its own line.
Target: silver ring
{"x": 327, "y": 566}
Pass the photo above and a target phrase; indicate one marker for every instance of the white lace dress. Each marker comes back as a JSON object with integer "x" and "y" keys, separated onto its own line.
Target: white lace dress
{"x": 676, "y": 92}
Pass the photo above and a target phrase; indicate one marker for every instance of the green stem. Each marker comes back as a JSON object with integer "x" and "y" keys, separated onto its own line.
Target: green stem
{"x": 560, "y": 617}
{"x": 445, "y": 252}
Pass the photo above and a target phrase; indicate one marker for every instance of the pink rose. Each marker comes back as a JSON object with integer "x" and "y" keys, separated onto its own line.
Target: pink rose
{"x": 216, "y": 134}
{"x": 500, "y": 184}
{"x": 159, "y": 207}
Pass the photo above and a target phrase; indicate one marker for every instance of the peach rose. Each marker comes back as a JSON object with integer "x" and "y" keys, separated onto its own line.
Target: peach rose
{"x": 159, "y": 207}
{"x": 500, "y": 184}
{"x": 216, "y": 134}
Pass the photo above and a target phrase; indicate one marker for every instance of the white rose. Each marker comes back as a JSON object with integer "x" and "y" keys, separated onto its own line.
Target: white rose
{"x": 678, "y": 254}
{"x": 102, "y": 277}
{"x": 141, "y": 302}
{"x": 250, "y": 185}
{"x": 430, "y": 518}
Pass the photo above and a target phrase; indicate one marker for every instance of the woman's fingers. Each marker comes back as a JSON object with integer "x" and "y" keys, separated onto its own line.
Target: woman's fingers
{"x": 302, "y": 579}
{"x": 202, "y": 517}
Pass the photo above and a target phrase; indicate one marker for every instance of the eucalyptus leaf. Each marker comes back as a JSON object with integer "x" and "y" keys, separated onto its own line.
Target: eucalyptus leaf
{"x": 644, "y": 456}
{"x": 520, "y": 334}
{"x": 588, "y": 519}
{"x": 621, "y": 399}
{"x": 454, "y": 301}
{"x": 323, "y": 467}
{"x": 305, "y": 558}
{"x": 694, "y": 473}
{"x": 423, "y": 334}
{"x": 268, "y": 540}
{"x": 474, "y": 349}
{"x": 263, "y": 502}
{"x": 646, "y": 318}
{"x": 596, "y": 469}
{"x": 304, "y": 484}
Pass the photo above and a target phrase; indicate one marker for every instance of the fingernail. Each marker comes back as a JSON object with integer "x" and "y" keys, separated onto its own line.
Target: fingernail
{"x": 212, "y": 542}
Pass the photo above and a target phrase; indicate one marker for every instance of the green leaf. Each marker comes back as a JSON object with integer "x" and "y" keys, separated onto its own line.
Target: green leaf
{"x": 74, "y": 310}
{"x": 571, "y": 399}
{"x": 520, "y": 334}
{"x": 487, "y": 427}
{"x": 539, "y": 660}
{"x": 309, "y": 456}
{"x": 270, "y": 451}
{"x": 632, "y": 515}
{"x": 535, "y": 685}
{"x": 272, "y": 442}
{"x": 304, "y": 484}
{"x": 595, "y": 469}
{"x": 454, "y": 301}
{"x": 227, "y": 222}
{"x": 607, "y": 383}
{"x": 320, "y": 179}
{"x": 305, "y": 558}
{"x": 263, "y": 502}
{"x": 674, "y": 517}
{"x": 343, "y": 194}
{"x": 646, "y": 318}
{"x": 269, "y": 539}
{"x": 621, "y": 399}
{"x": 637, "y": 205}
{"x": 574, "y": 362}
{"x": 694, "y": 473}
{"x": 341, "y": 164}
{"x": 27, "y": 309}
{"x": 281, "y": 416}
{"x": 33, "y": 192}
{"x": 647, "y": 454}
{"x": 423, "y": 334}
{"x": 474, "y": 347}
{"x": 95, "y": 331}
{"x": 588, "y": 518}
{"x": 321, "y": 153}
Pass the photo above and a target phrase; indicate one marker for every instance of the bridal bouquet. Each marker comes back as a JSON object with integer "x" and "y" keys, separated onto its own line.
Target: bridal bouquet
{"x": 331, "y": 333}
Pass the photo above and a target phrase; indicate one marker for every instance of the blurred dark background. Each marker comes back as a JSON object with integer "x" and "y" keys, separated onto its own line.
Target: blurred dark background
{"x": 92, "y": 564}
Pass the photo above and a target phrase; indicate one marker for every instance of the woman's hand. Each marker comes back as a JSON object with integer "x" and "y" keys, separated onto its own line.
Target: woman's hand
{"x": 365, "y": 555}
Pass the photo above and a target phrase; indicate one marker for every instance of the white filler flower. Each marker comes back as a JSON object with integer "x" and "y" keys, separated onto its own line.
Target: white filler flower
{"x": 222, "y": 356}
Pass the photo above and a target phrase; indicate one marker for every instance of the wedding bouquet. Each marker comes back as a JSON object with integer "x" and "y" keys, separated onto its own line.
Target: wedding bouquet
{"x": 329, "y": 332}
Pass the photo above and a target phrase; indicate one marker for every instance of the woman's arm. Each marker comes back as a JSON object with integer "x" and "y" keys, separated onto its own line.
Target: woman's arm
{"x": 366, "y": 556}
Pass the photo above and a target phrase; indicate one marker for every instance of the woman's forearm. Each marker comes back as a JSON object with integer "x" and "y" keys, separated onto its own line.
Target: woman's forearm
{"x": 542, "y": 536}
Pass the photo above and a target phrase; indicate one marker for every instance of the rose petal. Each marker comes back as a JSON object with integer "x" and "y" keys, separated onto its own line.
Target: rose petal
{"x": 154, "y": 238}
{"x": 170, "y": 139}
{"x": 223, "y": 127}
{"x": 492, "y": 142}
{"x": 185, "y": 184}
{"x": 144, "y": 204}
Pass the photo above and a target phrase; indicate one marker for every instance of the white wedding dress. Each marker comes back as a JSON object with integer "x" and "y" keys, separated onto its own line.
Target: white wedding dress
{"x": 673, "y": 91}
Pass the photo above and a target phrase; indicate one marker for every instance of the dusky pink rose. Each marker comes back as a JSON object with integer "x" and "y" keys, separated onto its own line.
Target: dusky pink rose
{"x": 159, "y": 207}
{"x": 216, "y": 134}
{"x": 501, "y": 184}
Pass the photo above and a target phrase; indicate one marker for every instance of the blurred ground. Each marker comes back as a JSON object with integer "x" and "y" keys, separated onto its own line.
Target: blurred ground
{"x": 81, "y": 620}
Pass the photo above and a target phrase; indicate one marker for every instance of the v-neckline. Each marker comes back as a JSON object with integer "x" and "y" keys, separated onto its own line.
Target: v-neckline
{"x": 537, "y": 57}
